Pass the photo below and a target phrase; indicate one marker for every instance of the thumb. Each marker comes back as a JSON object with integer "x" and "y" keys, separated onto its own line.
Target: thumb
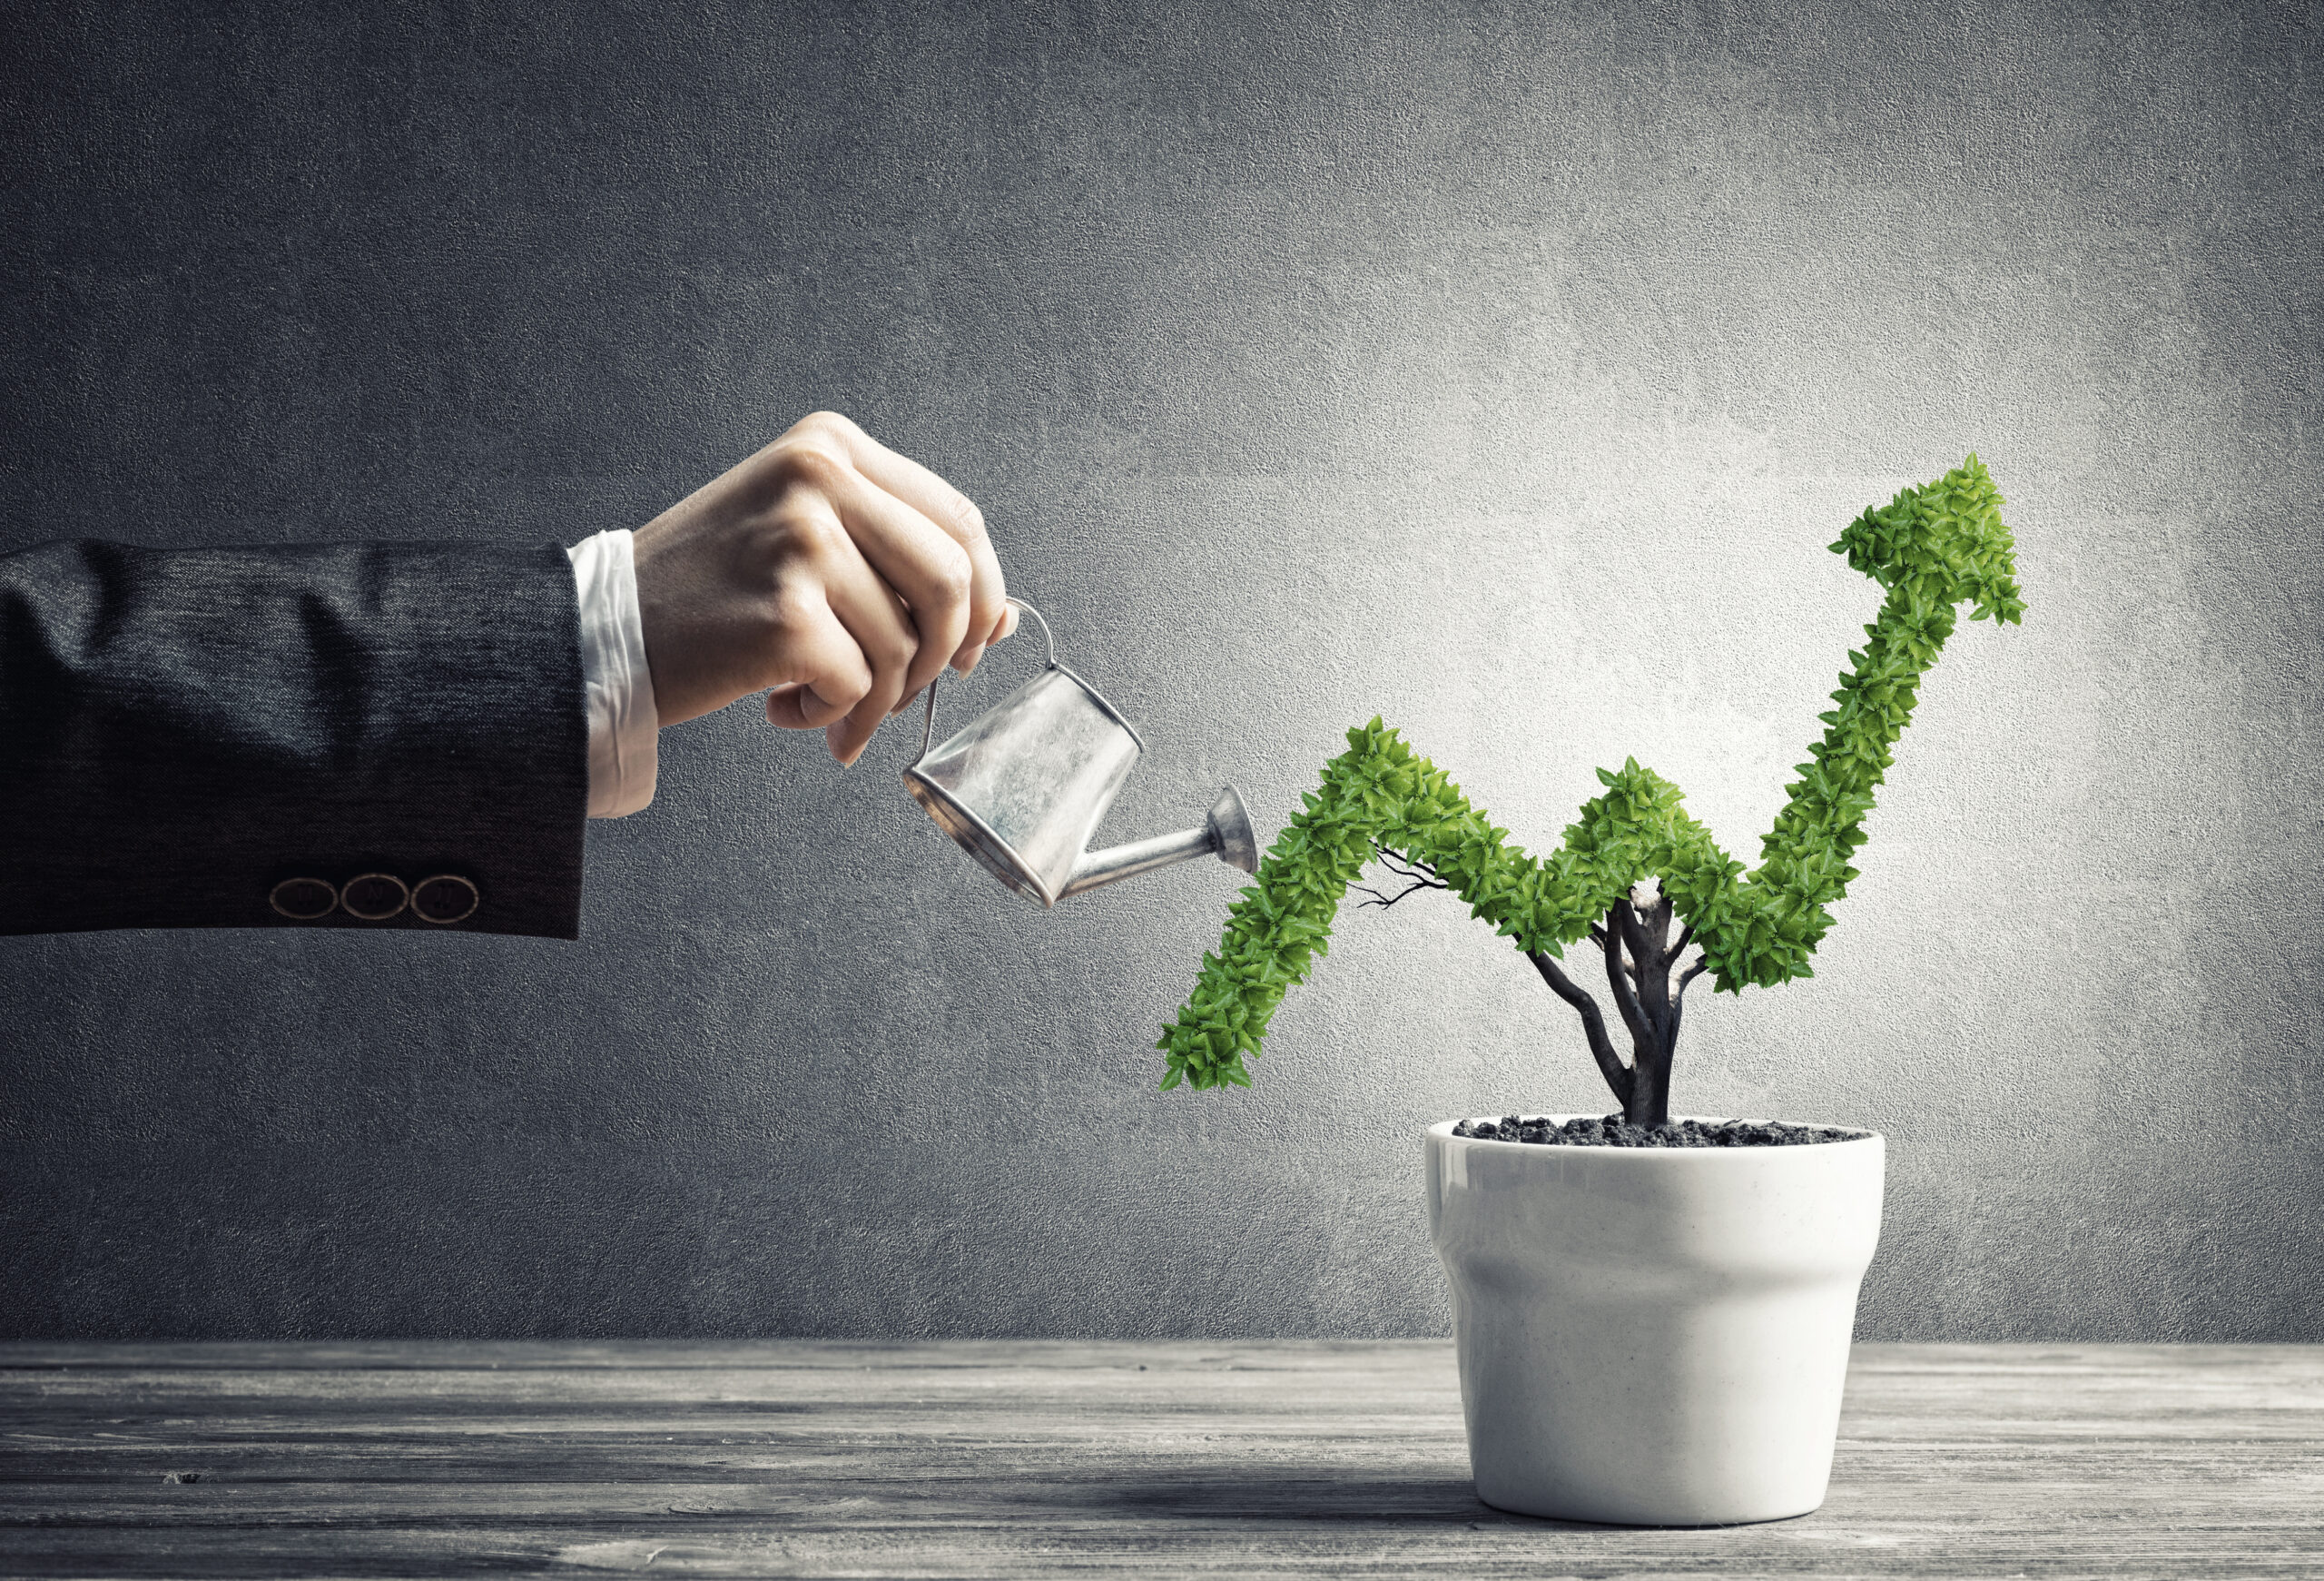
{"x": 825, "y": 673}
{"x": 795, "y": 706}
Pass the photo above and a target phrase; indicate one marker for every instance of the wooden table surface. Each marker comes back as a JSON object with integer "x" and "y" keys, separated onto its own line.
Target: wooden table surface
{"x": 1037, "y": 1459}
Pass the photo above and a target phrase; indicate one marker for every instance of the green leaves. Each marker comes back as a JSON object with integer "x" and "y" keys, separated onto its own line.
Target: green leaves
{"x": 1939, "y": 546}
{"x": 1931, "y": 549}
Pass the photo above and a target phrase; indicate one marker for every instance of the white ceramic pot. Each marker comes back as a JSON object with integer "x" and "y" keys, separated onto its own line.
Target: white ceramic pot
{"x": 1653, "y": 1336}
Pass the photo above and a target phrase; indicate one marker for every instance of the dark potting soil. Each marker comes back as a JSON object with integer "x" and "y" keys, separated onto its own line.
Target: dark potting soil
{"x": 1610, "y": 1132}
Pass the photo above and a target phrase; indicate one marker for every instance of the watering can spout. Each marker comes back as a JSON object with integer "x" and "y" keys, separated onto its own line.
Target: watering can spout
{"x": 1226, "y": 833}
{"x": 1024, "y": 787}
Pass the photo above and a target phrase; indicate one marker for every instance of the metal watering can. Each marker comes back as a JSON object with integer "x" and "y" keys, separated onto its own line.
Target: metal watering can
{"x": 1024, "y": 787}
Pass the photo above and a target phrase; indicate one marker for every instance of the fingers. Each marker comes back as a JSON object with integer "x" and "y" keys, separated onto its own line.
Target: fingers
{"x": 789, "y": 704}
{"x": 847, "y": 642}
{"x": 828, "y": 675}
{"x": 879, "y": 572}
{"x": 884, "y": 634}
{"x": 924, "y": 565}
{"x": 952, "y": 513}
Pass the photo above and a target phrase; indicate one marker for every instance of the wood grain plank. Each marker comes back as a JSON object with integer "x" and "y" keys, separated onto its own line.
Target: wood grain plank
{"x": 1035, "y": 1458}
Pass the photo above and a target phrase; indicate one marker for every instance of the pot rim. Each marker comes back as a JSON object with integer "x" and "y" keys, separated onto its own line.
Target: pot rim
{"x": 1442, "y": 1130}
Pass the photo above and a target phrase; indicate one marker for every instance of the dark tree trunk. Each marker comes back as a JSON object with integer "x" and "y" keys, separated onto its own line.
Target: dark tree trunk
{"x": 1640, "y": 954}
{"x": 1643, "y": 987}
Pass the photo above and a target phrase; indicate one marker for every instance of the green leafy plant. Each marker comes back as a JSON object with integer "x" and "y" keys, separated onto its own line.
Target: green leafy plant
{"x": 1634, "y": 863}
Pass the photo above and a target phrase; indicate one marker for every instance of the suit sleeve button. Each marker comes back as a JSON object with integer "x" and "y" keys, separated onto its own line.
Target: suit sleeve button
{"x": 445, "y": 898}
{"x": 373, "y": 896}
{"x": 302, "y": 900}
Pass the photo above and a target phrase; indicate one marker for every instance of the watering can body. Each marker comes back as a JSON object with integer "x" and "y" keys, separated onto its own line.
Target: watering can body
{"x": 1023, "y": 786}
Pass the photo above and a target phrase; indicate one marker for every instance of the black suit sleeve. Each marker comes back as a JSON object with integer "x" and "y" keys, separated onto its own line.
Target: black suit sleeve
{"x": 229, "y": 737}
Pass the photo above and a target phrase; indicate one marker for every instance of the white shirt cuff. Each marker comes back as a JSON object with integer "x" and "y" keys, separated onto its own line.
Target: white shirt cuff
{"x": 622, "y": 720}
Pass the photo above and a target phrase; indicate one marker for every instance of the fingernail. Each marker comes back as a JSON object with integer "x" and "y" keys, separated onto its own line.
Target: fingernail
{"x": 967, "y": 660}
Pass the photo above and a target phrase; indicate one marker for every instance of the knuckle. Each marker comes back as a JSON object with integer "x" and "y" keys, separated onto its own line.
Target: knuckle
{"x": 815, "y": 534}
{"x": 969, "y": 521}
{"x": 793, "y": 605}
{"x": 896, "y": 652}
{"x": 831, "y": 426}
{"x": 805, "y": 461}
{"x": 953, "y": 576}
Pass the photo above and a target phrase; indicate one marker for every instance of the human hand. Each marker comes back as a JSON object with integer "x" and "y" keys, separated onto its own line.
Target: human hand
{"x": 826, "y": 570}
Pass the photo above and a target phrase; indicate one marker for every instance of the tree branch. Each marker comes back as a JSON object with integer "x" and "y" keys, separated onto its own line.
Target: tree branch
{"x": 1649, "y": 969}
{"x": 1632, "y": 928}
{"x": 1625, "y": 996}
{"x": 1422, "y": 875}
{"x": 1594, "y": 1023}
{"x": 1404, "y": 866}
{"x": 1598, "y": 937}
{"x": 1388, "y": 900}
{"x": 1679, "y": 996}
{"x": 1685, "y": 937}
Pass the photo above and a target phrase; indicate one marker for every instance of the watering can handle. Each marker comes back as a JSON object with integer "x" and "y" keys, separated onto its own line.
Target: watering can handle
{"x": 928, "y": 719}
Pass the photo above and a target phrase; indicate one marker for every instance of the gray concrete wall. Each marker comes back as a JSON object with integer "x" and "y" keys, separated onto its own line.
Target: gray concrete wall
{"x": 1502, "y": 369}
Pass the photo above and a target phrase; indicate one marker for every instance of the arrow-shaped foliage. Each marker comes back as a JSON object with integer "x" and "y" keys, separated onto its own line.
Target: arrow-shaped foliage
{"x": 1931, "y": 549}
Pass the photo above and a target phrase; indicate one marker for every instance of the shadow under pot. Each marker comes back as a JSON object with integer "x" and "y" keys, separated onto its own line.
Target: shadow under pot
{"x": 1653, "y": 1336}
